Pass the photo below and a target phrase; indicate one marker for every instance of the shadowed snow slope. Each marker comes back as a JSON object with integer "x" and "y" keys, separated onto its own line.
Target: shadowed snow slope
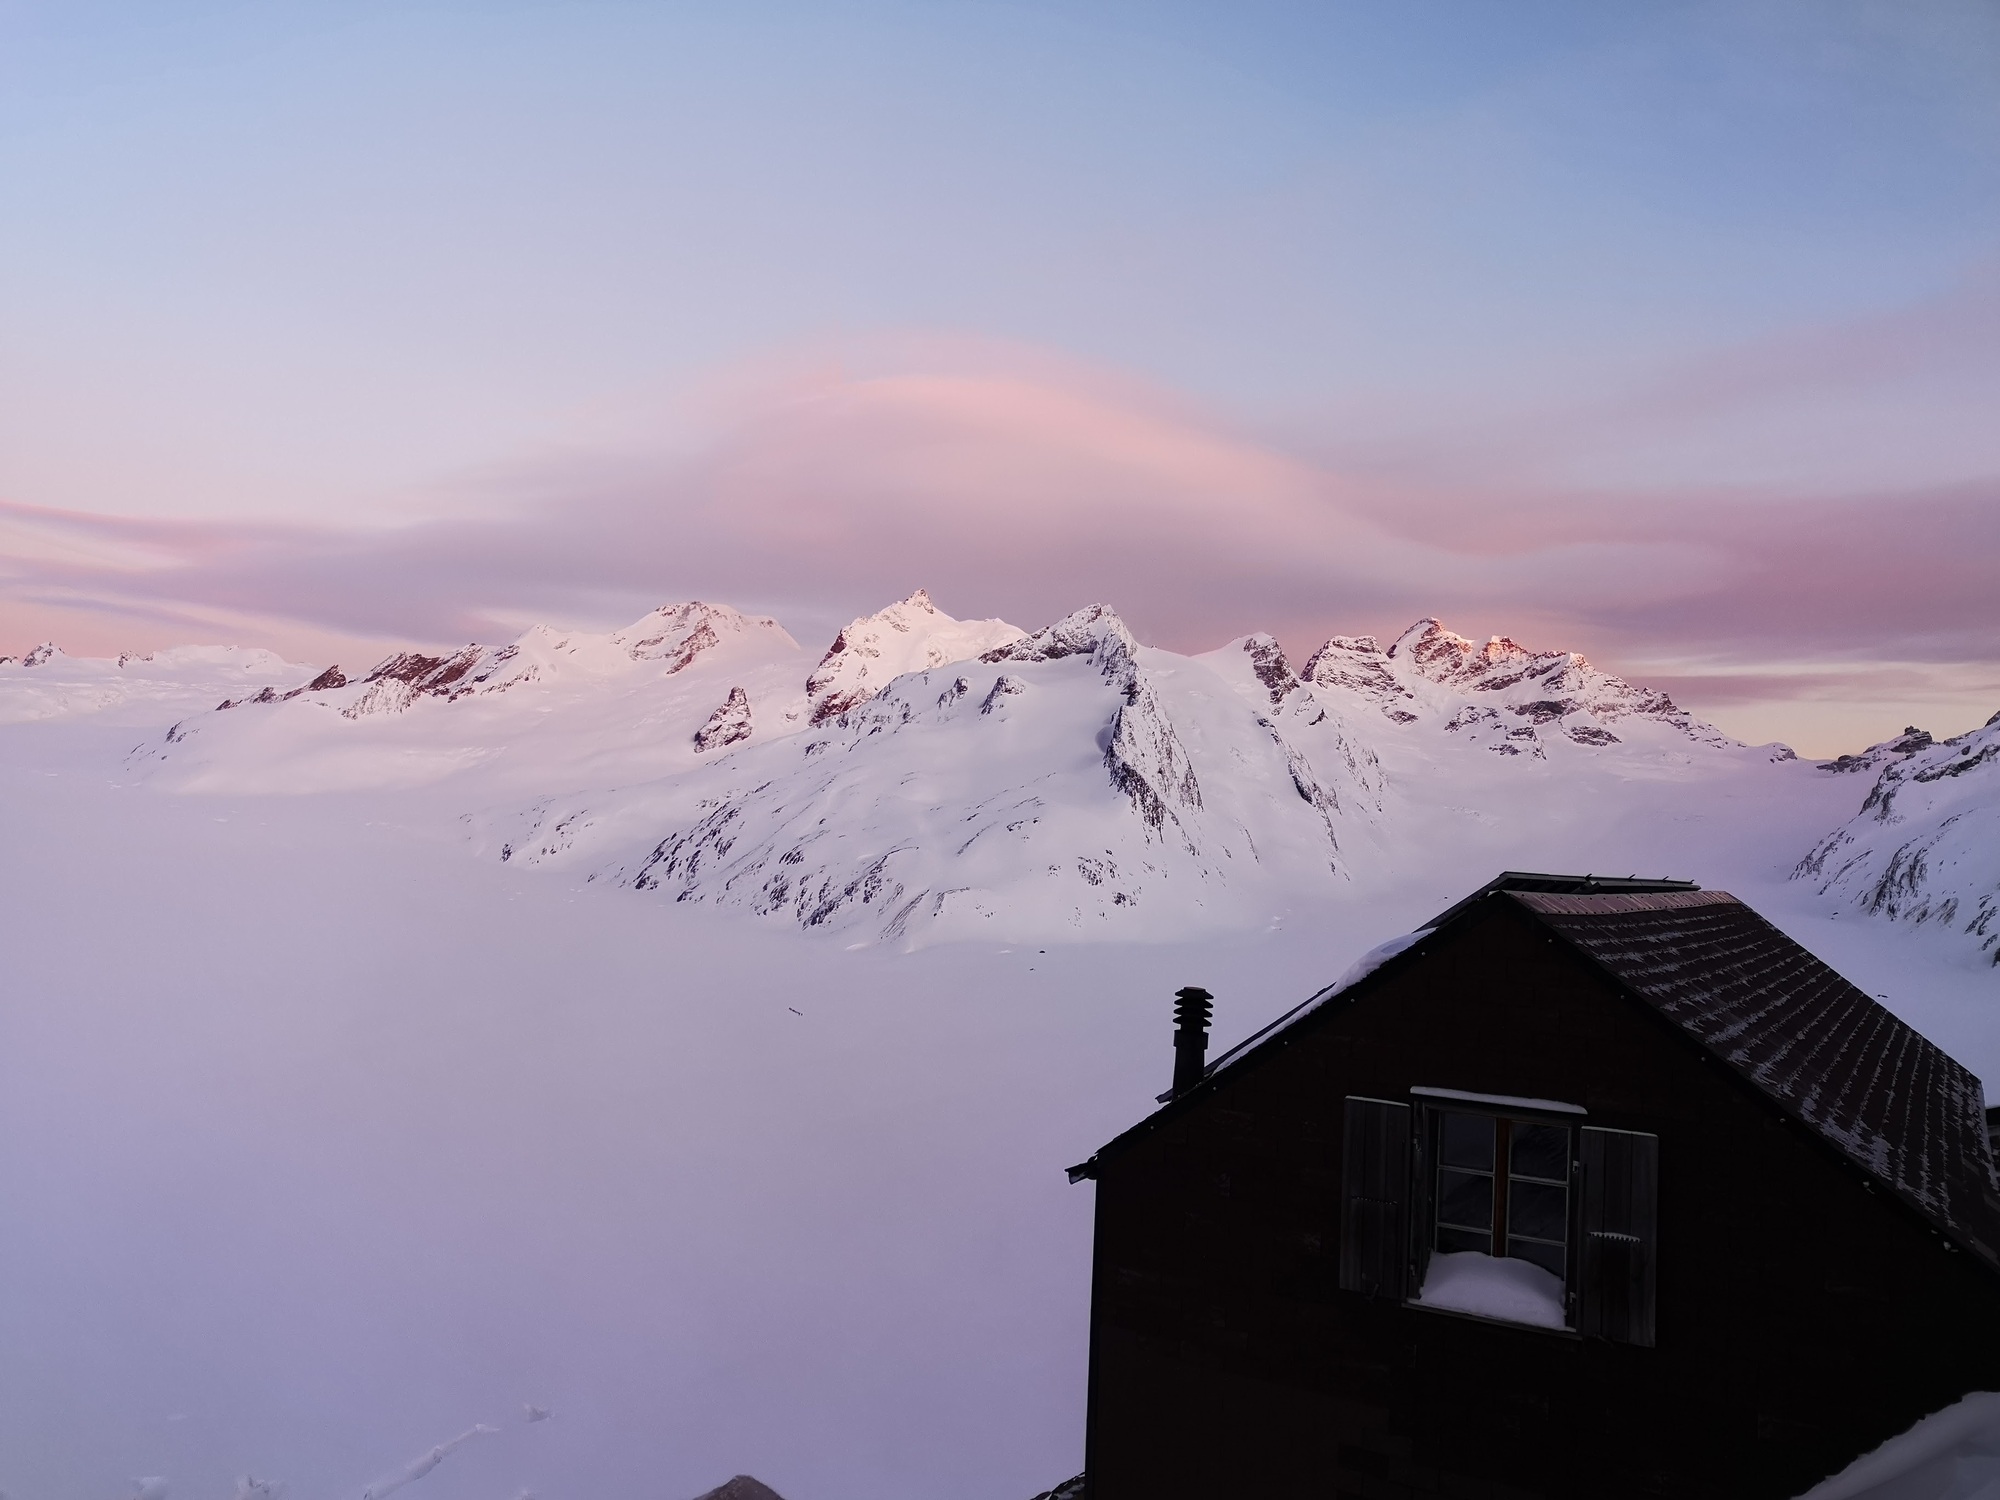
{"x": 1925, "y": 846}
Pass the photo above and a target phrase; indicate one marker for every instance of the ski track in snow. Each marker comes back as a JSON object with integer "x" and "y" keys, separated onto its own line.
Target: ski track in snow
{"x": 394, "y": 1041}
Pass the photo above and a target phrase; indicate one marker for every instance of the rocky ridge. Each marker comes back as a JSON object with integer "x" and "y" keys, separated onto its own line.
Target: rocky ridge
{"x": 1501, "y": 696}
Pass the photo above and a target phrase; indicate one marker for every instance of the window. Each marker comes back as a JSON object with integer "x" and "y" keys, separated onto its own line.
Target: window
{"x": 1502, "y": 1208}
{"x": 1503, "y": 1188}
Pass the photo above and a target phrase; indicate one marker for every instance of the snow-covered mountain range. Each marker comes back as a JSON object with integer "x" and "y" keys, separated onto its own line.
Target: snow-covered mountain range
{"x": 1925, "y": 847}
{"x": 931, "y": 778}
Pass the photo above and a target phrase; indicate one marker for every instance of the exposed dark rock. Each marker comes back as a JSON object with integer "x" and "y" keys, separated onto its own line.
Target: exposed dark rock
{"x": 1004, "y": 686}
{"x": 727, "y": 725}
{"x": 1267, "y": 660}
{"x": 1908, "y": 743}
{"x": 742, "y": 1487}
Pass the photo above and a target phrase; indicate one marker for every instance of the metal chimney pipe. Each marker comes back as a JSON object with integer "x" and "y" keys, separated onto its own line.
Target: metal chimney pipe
{"x": 1191, "y": 1013}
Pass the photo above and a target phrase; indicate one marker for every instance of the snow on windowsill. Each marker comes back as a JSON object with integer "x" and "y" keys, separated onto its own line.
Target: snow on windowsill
{"x": 1513, "y": 1291}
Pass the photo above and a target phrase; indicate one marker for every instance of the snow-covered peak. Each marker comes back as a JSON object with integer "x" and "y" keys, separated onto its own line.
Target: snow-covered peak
{"x": 42, "y": 655}
{"x": 912, "y": 635}
{"x": 1430, "y": 651}
{"x": 1499, "y": 695}
{"x": 1095, "y": 631}
{"x": 670, "y": 639}
{"x": 678, "y": 633}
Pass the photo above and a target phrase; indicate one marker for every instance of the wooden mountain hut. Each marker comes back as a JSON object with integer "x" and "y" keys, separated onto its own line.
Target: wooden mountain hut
{"x": 1587, "y": 1189}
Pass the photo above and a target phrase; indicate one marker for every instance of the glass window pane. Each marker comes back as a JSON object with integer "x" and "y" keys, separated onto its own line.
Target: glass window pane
{"x": 1466, "y": 1141}
{"x": 1464, "y": 1239}
{"x": 1539, "y": 1209}
{"x": 1541, "y": 1151}
{"x": 1465, "y": 1199}
{"x": 1548, "y": 1257}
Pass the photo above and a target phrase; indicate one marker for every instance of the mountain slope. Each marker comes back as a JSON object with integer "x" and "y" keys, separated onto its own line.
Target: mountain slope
{"x": 1925, "y": 846}
{"x": 1058, "y": 783}
{"x": 551, "y": 707}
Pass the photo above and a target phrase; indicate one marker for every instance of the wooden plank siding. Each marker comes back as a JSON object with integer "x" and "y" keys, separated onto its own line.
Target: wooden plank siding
{"x": 1802, "y": 1315}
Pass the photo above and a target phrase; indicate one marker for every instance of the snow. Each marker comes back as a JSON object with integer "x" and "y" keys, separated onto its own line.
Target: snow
{"x": 1953, "y": 1454}
{"x": 910, "y": 636}
{"x": 1374, "y": 958}
{"x": 1514, "y": 1291}
{"x": 48, "y": 684}
{"x": 1509, "y": 1101}
{"x": 354, "y": 1086}
{"x": 1925, "y": 846}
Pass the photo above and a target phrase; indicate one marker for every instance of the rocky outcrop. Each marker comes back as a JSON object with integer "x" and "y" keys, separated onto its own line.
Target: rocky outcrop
{"x": 728, "y": 725}
{"x": 1356, "y": 664}
{"x": 1875, "y": 757}
{"x": 1094, "y": 631}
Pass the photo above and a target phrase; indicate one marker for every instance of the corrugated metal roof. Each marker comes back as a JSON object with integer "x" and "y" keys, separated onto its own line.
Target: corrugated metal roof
{"x": 1895, "y": 1104}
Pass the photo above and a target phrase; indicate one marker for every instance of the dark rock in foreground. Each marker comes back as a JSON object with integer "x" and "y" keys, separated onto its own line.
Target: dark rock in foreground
{"x": 742, "y": 1487}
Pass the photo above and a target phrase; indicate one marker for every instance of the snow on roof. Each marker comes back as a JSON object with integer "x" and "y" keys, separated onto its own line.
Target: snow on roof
{"x": 1893, "y": 1103}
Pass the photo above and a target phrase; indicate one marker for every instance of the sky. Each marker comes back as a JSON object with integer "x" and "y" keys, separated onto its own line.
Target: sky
{"x": 1666, "y": 332}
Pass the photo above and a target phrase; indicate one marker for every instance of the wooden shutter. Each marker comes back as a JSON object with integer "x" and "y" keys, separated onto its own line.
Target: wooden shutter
{"x": 1620, "y": 1231}
{"x": 1374, "y": 1197}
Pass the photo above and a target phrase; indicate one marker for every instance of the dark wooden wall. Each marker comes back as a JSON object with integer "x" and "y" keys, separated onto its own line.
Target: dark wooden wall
{"x": 1803, "y": 1316}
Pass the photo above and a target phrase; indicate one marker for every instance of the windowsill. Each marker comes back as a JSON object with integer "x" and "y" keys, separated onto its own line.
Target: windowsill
{"x": 1493, "y": 1290}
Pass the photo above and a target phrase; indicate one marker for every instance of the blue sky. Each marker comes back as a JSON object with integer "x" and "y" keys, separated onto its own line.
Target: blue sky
{"x": 349, "y": 266}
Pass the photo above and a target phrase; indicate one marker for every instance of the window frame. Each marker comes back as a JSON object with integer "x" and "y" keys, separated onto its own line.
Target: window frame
{"x": 1429, "y": 1107}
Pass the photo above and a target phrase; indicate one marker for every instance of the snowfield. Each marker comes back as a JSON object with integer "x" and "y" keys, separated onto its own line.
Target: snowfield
{"x": 683, "y": 1036}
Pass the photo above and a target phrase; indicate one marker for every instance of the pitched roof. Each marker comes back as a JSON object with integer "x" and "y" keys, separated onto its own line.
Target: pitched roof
{"x": 1567, "y": 885}
{"x": 1892, "y": 1102}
